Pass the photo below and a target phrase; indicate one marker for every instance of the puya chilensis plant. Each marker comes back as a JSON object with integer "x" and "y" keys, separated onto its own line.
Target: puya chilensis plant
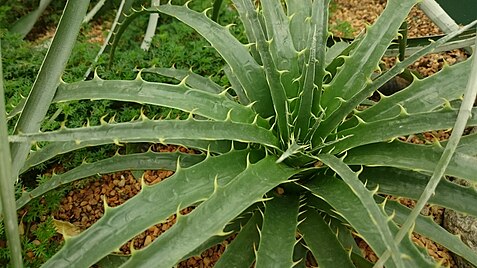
{"x": 289, "y": 165}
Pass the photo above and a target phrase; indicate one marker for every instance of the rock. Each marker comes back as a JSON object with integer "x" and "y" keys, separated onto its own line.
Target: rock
{"x": 465, "y": 226}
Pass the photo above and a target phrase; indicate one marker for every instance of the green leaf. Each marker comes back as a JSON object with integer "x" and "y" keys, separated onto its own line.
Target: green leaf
{"x": 421, "y": 96}
{"x": 410, "y": 184}
{"x": 411, "y": 156}
{"x": 48, "y": 78}
{"x": 366, "y": 200}
{"x": 152, "y": 205}
{"x": 322, "y": 242}
{"x": 247, "y": 70}
{"x": 56, "y": 148}
{"x": 209, "y": 105}
{"x": 277, "y": 236}
{"x": 282, "y": 49}
{"x": 362, "y": 95}
{"x": 7, "y": 189}
{"x": 210, "y": 217}
{"x": 277, "y": 90}
{"x": 236, "y": 86}
{"x": 159, "y": 130}
{"x": 320, "y": 17}
{"x": 149, "y": 160}
{"x": 25, "y": 24}
{"x": 190, "y": 78}
{"x": 299, "y": 12}
{"x": 365, "y": 58}
{"x": 427, "y": 227}
{"x": 345, "y": 202}
{"x": 388, "y": 129}
{"x": 240, "y": 253}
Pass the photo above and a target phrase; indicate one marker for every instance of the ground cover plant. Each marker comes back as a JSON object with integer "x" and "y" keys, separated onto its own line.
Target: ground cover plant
{"x": 284, "y": 149}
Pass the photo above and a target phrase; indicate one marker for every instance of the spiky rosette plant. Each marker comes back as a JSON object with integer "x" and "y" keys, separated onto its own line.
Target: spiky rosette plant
{"x": 290, "y": 166}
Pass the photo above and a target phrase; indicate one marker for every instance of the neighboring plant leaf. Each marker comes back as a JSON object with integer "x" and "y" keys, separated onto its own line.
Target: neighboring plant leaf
{"x": 47, "y": 80}
{"x": 24, "y": 25}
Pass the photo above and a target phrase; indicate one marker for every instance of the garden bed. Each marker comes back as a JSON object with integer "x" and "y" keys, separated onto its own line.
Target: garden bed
{"x": 83, "y": 204}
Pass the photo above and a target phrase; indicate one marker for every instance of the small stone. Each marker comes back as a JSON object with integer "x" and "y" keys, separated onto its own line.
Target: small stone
{"x": 148, "y": 240}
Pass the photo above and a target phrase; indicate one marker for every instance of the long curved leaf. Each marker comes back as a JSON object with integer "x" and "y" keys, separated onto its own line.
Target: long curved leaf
{"x": 190, "y": 78}
{"x": 388, "y": 129}
{"x": 365, "y": 58}
{"x": 372, "y": 211}
{"x": 323, "y": 243}
{"x": 351, "y": 104}
{"x": 348, "y": 205}
{"x": 56, "y": 148}
{"x": 410, "y": 184}
{"x": 422, "y": 95}
{"x": 152, "y": 205}
{"x": 413, "y": 157}
{"x": 277, "y": 236}
{"x": 210, "y": 217}
{"x": 209, "y": 105}
{"x": 143, "y": 161}
{"x": 159, "y": 130}
{"x": 247, "y": 70}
